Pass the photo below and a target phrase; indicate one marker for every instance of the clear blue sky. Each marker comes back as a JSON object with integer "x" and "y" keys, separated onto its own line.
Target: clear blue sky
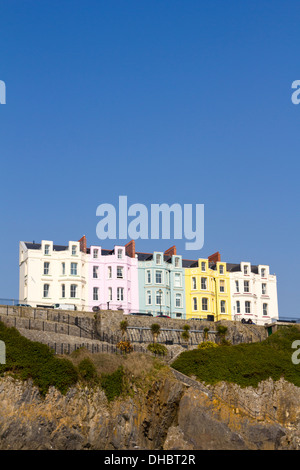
{"x": 162, "y": 101}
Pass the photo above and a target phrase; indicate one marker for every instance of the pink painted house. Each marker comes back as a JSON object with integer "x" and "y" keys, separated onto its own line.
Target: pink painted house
{"x": 113, "y": 278}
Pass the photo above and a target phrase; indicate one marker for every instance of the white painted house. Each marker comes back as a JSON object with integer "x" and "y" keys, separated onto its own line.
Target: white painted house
{"x": 253, "y": 293}
{"x": 52, "y": 274}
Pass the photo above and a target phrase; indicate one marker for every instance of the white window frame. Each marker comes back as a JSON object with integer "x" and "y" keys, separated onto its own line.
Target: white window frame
{"x": 148, "y": 276}
{"x": 95, "y": 253}
{"x": 110, "y": 294}
{"x": 177, "y": 280}
{"x": 74, "y": 269}
{"x": 195, "y": 304}
{"x": 246, "y": 287}
{"x": 223, "y": 306}
{"x": 159, "y": 295}
{"x": 178, "y": 296}
{"x": 63, "y": 291}
{"x": 238, "y": 306}
{"x": 247, "y": 306}
{"x": 47, "y": 250}
{"x": 222, "y": 285}
{"x": 157, "y": 273}
{"x": 265, "y": 309}
{"x": 203, "y": 266}
{"x": 204, "y": 305}
{"x": 95, "y": 272}
{"x": 95, "y": 293}
{"x": 109, "y": 272}
{"x": 194, "y": 283}
{"x": 74, "y": 250}
{"x": 237, "y": 286}
{"x": 148, "y": 297}
{"x": 158, "y": 259}
{"x": 46, "y": 268}
{"x": 120, "y": 272}
{"x": 73, "y": 290}
{"x": 205, "y": 282}
{"x": 120, "y": 253}
{"x": 264, "y": 288}
{"x": 46, "y": 291}
{"x": 120, "y": 294}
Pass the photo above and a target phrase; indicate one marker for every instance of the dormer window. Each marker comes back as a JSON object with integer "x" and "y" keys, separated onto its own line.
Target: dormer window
{"x": 203, "y": 266}
{"x": 263, "y": 272}
{"x": 221, "y": 269}
{"x": 246, "y": 270}
{"x": 158, "y": 259}
{"x": 177, "y": 262}
{"x": 95, "y": 253}
{"x": 120, "y": 253}
{"x": 47, "y": 250}
{"x": 74, "y": 250}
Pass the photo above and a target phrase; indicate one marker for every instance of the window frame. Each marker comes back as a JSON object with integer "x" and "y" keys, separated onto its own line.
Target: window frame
{"x": 73, "y": 289}
{"x": 204, "y": 304}
{"x": 72, "y": 273}
{"x": 46, "y": 268}
{"x": 120, "y": 269}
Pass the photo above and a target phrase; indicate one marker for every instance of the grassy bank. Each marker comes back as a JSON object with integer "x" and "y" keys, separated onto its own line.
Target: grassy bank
{"x": 244, "y": 364}
{"x": 117, "y": 374}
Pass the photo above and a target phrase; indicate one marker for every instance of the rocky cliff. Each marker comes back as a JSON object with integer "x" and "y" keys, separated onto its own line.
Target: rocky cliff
{"x": 167, "y": 415}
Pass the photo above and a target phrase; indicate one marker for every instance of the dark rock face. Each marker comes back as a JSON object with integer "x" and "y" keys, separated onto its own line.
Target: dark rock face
{"x": 168, "y": 416}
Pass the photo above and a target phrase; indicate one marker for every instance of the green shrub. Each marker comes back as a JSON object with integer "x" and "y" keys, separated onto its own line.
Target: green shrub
{"x": 158, "y": 349}
{"x": 207, "y": 344}
{"x": 27, "y": 359}
{"x": 125, "y": 346}
{"x": 87, "y": 369}
{"x": 244, "y": 364}
{"x": 112, "y": 384}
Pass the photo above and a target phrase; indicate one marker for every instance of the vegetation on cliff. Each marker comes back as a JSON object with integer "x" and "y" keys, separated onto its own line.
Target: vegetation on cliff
{"x": 28, "y": 359}
{"x": 116, "y": 374}
{"x": 244, "y": 364}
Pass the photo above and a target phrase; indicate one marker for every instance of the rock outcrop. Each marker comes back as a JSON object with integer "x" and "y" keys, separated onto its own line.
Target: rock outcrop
{"x": 168, "y": 415}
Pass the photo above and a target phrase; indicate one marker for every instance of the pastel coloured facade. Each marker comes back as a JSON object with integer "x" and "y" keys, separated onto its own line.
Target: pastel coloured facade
{"x": 161, "y": 283}
{"x": 75, "y": 274}
{"x": 113, "y": 278}
{"x": 207, "y": 287}
{"x": 253, "y": 292}
{"x": 52, "y": 273}
{"x": 156, "y": 283}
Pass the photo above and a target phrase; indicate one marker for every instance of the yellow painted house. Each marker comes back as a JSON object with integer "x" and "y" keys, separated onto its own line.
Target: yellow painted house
{"x": 207, "y": 289}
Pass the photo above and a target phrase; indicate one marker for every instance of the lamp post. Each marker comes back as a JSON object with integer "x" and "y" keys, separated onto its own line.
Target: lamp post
{"x": 160, "y": 294}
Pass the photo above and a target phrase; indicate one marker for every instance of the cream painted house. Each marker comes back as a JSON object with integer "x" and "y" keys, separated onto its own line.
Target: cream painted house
{"x": 253, "y": 293}
{"x": 52, "y": 274}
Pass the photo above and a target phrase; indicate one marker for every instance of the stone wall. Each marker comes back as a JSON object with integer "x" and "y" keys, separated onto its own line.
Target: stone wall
{"x": 108, "y": 324}
{"x": 105, "y": 326}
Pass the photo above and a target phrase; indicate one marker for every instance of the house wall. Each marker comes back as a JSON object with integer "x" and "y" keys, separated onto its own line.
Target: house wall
{"x": 33, "y": 279}
{"x": 129, "y": 281}
{"x": 255, "y": 296}
{"x": 209, "y": 289}
{"x": 172, "y": 284}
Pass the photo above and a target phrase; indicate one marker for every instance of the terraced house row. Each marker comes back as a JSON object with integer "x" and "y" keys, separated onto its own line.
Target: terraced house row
{"x": 159, "y": 283}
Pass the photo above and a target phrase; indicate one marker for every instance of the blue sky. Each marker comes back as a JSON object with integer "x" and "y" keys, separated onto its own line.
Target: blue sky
{"x": 162, "y": 101}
